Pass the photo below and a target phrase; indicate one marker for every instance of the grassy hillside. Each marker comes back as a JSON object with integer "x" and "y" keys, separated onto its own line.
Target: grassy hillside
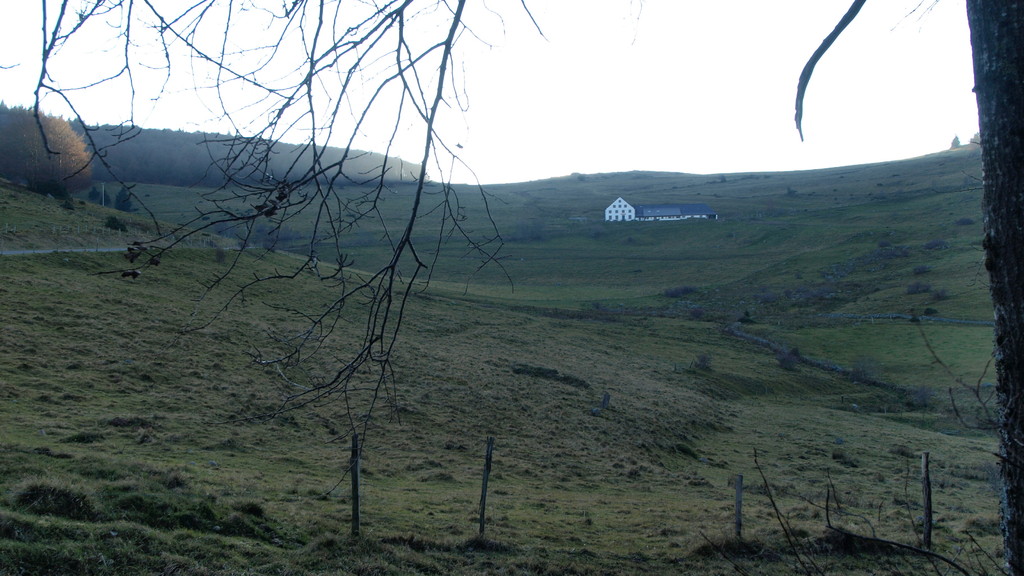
{"x": 127, "y": 443}
{"x": 823, "y": 226}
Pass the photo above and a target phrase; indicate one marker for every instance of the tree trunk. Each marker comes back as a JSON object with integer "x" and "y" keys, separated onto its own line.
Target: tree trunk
{"x": 997, "y": 38}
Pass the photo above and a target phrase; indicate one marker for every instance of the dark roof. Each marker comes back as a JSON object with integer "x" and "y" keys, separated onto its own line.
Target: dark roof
{"x": 669, "y": 210}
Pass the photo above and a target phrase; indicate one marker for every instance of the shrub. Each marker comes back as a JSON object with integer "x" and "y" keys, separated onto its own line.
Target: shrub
{"x": 550, "y": 374}
{"x": 918, "y": 288}
{"x": 696, "y": 313}
{"x": 865, "y": 369}
{"x": 251, "y": 508}
{"x": 702, "y": 362}
{"x": 889, "y": 251}
{"x": 940, "y": 294}
{"x": 54, "y": 498}
{"x": 922, "y": 269}
{"x": 845, "y": 459}
{"x": 536, "y": 371}
{"x": 164, "y": 510}
{"x": 902, "y": 450}
{"x": 983, "y": 525}
{"x": 115, "y": 223}
{"x": 882, "y": 253}
{"x": 964, "y": 222}
{"x": 788, "y": 358}
{"x": 809, "y": 293}
{"x": 173, "y": 479}
{"x": 573, "y": 381}
{"x": 83, "y": 438}
{"x": 921, "y": 396}
{"x": 679, "y": 291}
{"x": 129, "y": 422}
{"x": 936, "y": 244}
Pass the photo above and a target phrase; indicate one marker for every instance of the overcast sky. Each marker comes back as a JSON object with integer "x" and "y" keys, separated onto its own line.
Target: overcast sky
{"x": 670, "y": 85}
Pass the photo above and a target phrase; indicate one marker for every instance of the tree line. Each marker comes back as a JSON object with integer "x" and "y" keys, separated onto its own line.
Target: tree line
{"x": 179, "y": 158}
{"x": 58, "y": 157}
{"x": 43, "y": 153}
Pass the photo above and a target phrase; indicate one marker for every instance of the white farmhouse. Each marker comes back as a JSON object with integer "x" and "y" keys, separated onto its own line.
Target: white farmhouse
{"x": 620, "y": 210}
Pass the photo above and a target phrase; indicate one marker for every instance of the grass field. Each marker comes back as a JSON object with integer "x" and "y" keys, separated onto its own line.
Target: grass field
{"x": 130, "y": 437}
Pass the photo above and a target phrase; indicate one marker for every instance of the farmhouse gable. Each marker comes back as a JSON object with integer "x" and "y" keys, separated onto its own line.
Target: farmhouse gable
{"x": 620, "y": 210}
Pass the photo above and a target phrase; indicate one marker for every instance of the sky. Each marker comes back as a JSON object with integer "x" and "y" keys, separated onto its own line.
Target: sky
{"x": 663, "y": 85}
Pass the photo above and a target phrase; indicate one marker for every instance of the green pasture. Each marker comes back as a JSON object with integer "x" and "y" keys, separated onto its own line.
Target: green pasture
{"x": 131, "y": 436}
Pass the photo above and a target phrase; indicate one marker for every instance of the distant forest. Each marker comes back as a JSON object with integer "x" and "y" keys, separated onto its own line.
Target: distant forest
{"x": 177, "y": 158}
{"x": 55, "y": 166}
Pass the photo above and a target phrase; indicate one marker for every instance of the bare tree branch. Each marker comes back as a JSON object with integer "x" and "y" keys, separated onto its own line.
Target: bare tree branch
{"x": 988, "y": 419}
{"x": 329, "y": 75}
{"x": 891, "y": 543}
{"x": 806, "y": 561}
{"x": 805, "y": 74}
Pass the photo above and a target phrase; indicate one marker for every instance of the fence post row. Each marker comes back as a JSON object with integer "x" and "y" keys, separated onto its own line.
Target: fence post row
{"x": 483, "y": 490}
{"x": 354, "y": 465}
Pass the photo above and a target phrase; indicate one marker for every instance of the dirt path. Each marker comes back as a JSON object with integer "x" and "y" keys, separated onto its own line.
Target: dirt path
{"x": 48, "y": 250}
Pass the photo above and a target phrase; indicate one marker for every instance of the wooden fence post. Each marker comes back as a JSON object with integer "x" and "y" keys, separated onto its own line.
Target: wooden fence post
{"x": 739, "y": 506}
{"x": 483, "y": 490}
{"x": 353, "y": 469}
{"x": 926, "y": 487}
{"x": 605, "y": 401}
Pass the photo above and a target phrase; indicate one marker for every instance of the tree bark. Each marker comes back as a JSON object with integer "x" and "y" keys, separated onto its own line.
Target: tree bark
{"x": 997, "y": 38}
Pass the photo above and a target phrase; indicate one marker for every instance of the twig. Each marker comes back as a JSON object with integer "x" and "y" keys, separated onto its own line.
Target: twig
{"x": 786, "y": 529}
{"x": 892, "y": 543}
{"x": 721, "y": 552}
{"x": 900, "y": 545}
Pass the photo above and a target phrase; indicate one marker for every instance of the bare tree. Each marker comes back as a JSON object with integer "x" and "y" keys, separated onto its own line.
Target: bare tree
{"x": 324, "y": 74}
{"x": 997, "y": 40}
